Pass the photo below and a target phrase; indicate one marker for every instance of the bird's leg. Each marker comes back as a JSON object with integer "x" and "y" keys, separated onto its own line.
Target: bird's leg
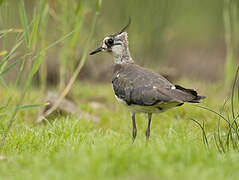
{"x": 134, "y": 127}
{"x": 147, "y": 132}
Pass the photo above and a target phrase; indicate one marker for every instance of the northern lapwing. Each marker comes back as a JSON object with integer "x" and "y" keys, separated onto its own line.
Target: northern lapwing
{"x": 140, "y": 89}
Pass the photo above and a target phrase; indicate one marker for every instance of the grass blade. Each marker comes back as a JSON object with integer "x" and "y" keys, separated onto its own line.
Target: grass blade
{"x": 219, "y": 137}
{"x": 5, "y": 32}
{"x": 24, "y": 108}
{"x": 9, "y": 67}
{"x": 24, "y": 20}
{"x": 215, "y": 140}
{"x": 215, "y": 112}
{"x": 37, "y": 21}
{"x": 205, "y": 141}
{"x": 38, "y": 60}
{"x": 2, "y": 53}
{"x": 233, "y": 90}
{"x": 8, "y": 57}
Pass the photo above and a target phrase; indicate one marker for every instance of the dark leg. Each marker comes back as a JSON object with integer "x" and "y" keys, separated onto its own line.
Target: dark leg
{"x": 134, "y": 127}
{"x": 147, "y": 132}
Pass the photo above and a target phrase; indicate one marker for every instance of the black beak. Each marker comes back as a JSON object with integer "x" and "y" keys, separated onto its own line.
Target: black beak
{"x": 99, "y": 49}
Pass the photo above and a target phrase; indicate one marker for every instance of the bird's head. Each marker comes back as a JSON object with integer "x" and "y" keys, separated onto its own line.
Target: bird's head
{"x": 116, "y": 44}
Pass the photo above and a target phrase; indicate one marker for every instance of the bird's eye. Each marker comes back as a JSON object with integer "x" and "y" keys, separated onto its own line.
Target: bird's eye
{"x": 110, "y": 41}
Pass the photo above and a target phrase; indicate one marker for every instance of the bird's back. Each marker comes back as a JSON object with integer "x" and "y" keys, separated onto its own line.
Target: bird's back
{"x": 140, "y": 86}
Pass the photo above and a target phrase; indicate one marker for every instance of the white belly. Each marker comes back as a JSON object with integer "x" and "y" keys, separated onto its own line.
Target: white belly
{"x": 144, "y": 109}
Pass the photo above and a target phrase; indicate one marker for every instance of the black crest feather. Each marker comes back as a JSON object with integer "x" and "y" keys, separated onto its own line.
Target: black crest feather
{"x": 124, "y": 28}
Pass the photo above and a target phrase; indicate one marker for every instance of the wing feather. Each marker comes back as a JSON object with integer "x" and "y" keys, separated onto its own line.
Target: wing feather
{"x": 137, "y": 85}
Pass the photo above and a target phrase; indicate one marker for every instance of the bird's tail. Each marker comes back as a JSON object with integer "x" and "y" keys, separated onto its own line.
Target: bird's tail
{"x": 196, "y": 97}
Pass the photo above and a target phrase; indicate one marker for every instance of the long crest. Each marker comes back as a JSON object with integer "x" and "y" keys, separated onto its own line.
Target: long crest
{"x": 123, "y": 30}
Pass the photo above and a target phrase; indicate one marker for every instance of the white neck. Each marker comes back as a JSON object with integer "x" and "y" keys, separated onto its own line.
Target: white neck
{"x": 121, "y": 55}
{"x": 122, "y": 59}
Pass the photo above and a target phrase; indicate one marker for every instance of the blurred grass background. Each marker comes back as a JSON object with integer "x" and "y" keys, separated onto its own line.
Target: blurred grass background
{"x": 185, "y": 38}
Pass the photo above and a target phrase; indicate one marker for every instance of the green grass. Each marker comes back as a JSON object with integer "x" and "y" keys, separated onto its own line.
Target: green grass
{"x": 32, "y": 56}
{"x": 69, "y": 147}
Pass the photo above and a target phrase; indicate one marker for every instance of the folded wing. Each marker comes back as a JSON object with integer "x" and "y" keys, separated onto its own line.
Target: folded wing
{"x": 137, "y": 85}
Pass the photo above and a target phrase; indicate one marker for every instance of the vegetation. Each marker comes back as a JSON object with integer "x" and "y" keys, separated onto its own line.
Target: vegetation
{"x": 189, "y": 142}
{"x": 231, "y": 25}
{"x": 33, "y": 55}
{"x": 228, "y": 139}
{"x": 69, "y": 147}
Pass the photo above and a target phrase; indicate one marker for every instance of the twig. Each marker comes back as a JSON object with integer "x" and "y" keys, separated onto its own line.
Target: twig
{"x": 78, "y": 69}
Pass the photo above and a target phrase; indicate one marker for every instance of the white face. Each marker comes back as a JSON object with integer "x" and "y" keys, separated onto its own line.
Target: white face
{"x": 114, "y": 45}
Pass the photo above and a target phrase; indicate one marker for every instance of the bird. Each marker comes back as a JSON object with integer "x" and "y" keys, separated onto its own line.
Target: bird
{"x": 139, "y": 89}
